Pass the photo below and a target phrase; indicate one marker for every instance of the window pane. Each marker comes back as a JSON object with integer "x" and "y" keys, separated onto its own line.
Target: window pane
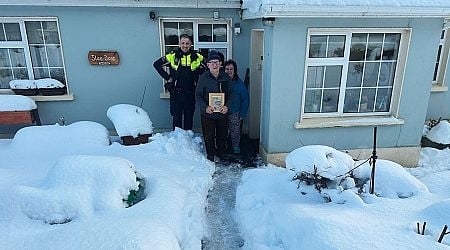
{"x": 4, "y": 58}
{"x": 391, "y": 45}
{"x": 383, "y": 99}
{"x": 312, "y": 101}
{"x": 318, "y": 46}
{"x": 387, "y": 73}
{"x": 367, "y": 100}
{"x": 330, "y": 100}
{"x": 2, "y": 33}
{"x": 40, "y": 73}
{"x": 38, "y": 57}
{"x": 12, "y": 32}
{"x": 5, "y": 78}
{"x": 20, "y": 73}
{"x": 336, "y": 46}
{"x": 354, "y": 75}
{"x": 374, "y": 47}
{"x": 170, "y": 33}
{"x": 54, "y": 56}
{"x": 220, "y": 32}
{"x": 205, "y": 32}
{"x": 17, "y": 57}
{"x": 58, "y": 74}
{"x": 351, "y": 100}
{"x": 333, "y": 76}
{"x": 358, "y": 47}
{"x": 186, "y": 28}
{"x": 34, "y": 32}
{"x": 50, "y": 32}
{"x": 371, "y": 74}
{"x": 314, "y": 78}
{"x": 169, "y": 49}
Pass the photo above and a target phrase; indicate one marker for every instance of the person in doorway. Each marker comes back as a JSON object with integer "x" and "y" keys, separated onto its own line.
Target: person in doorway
{"x": 238, "y": 106}
{"x": 214, "y": 121}
{"x": 185, "y": 66}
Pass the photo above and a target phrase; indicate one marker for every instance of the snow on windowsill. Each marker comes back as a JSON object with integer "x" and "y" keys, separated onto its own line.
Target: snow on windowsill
{"x": 330, "y": 122}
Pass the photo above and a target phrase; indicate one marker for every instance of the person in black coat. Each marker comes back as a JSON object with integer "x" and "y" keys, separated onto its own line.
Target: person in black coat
{"x": 185, "y": 66}
{"x": 214, "y": 119}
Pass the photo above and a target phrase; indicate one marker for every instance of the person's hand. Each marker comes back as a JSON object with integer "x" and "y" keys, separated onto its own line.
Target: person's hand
{"x": 209, "y": 110}
{"x": 169, "y": 86}
{"x": 224, "y": 110}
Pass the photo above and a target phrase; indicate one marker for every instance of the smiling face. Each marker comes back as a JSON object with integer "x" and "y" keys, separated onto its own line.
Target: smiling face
{"x": 214, "y": 67}
{"x": 185, "y": 44}
{"x": 229, "y": 69}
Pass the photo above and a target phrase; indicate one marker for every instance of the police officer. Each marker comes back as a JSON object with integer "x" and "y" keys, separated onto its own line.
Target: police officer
{"x": 185, "y": 66}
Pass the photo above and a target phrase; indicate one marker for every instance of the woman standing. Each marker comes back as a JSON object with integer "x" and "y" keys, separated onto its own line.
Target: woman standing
{"x": 214, "y": 120}
{"x": 239, "y": 105}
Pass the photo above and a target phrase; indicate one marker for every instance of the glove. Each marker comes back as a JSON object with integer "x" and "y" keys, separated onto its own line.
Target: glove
{"x": 169, "y": 86}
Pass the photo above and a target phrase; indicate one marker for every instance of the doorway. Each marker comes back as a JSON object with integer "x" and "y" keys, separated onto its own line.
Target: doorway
{"x": 255, "y": 86}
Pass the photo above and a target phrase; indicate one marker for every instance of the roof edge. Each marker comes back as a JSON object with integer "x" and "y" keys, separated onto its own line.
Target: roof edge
{"x": 348, "y": 11}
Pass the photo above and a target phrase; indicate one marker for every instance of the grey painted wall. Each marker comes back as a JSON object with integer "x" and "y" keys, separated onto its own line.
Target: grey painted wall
{"x": 286, "y": 83}
{"x": 136, "y": 38}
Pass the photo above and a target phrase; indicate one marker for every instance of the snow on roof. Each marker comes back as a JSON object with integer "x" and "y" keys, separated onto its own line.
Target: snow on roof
{"x": 349, "y": 8}
{"x": 16, "y": 103}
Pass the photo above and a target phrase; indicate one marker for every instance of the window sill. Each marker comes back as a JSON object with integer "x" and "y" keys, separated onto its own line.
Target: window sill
{"x": 164, "y": 95}
{"x": 42, "y": 98}
{"x": 331, "y": 122}
{"x": 439, "y": 88}
{"x": 50, "y": 98}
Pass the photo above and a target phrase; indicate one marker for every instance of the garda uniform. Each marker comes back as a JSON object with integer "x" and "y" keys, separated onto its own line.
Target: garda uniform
{"x": 184, "y": 69}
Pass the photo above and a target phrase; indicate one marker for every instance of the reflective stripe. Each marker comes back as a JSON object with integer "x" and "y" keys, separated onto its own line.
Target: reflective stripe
{"x": 185, "y": 60}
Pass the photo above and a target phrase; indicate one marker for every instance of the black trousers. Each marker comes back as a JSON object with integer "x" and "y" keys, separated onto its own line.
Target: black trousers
{"x": 182, "y": 107}
{"x": 215, "y": 133}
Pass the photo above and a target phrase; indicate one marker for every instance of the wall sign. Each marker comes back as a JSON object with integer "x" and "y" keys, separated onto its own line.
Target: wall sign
{"x": 103, "y": 57}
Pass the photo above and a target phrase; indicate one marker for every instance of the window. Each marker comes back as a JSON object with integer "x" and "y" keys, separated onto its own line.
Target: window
{"x": 205, "y": 34}
{"x": 352, "y": 72}
{"x": 30, "y": 49}
{"x": 442, "y": 56}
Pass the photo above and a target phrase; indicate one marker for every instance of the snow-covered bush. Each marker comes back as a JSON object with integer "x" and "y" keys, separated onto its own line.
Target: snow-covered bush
{"x": 16, "y": 103}
{"x": 338, "y": 178}
{"x": 440, "y": 133}
{"x": 79, "y": 186}
{"x": 46, "y": 137}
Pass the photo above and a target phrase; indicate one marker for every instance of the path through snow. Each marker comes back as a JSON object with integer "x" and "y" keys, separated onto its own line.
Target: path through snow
{"x": 223, "y": 229}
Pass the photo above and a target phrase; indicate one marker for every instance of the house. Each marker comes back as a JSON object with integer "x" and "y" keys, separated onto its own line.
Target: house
{"x": 321, "y": 72}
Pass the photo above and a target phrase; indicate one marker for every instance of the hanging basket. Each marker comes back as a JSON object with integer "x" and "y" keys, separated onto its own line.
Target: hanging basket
{"x": 130, "y": 140}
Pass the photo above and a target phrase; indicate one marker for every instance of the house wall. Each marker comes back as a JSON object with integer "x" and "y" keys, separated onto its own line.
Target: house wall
{"x": 136, "y": 38}
{"x": 439, "y": 107}
{"x": 285, "y": 85}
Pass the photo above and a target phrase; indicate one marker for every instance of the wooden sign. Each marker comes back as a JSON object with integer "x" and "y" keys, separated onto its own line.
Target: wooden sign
{"x": 103, "y": 57}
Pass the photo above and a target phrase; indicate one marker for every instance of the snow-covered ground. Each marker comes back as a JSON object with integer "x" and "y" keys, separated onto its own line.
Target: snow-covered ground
{"x": 62, "y": 187}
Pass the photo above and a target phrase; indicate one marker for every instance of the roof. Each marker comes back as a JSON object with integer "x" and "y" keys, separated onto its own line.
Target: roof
{"x": 127, "y": 3}
{"x": 345, "y": 8}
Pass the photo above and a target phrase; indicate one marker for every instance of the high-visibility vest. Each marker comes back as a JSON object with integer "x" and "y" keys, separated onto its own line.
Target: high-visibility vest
{"x": 185, "y": 61}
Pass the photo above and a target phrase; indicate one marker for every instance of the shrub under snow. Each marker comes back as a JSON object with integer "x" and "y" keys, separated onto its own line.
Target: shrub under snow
{"x": 440, "y": 133}
{"x": 130, "y": 120}
{"x": 79, "y": 186}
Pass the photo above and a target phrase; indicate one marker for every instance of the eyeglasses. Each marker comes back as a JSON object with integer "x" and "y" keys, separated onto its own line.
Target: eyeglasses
{"x": 214, "y": 62}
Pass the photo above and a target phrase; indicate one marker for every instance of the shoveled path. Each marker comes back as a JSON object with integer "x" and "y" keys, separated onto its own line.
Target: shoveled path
{"x": 222, "y": 226}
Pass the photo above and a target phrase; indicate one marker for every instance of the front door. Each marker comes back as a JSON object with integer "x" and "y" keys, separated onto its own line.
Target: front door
{"x": 255, "y": 86}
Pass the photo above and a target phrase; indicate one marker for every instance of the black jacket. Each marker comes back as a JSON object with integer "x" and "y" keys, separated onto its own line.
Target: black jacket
{"x": 207, "y": 83}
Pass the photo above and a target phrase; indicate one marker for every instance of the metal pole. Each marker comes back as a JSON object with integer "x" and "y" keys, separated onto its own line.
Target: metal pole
{"x": 374, "y": 159}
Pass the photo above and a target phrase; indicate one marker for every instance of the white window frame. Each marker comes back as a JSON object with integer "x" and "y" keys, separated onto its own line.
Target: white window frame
{"x": 196, "y": 44}
{"x": 344, "y": 61}
{"x": 439, "y": 82}
{"x": 25, "y": 45}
